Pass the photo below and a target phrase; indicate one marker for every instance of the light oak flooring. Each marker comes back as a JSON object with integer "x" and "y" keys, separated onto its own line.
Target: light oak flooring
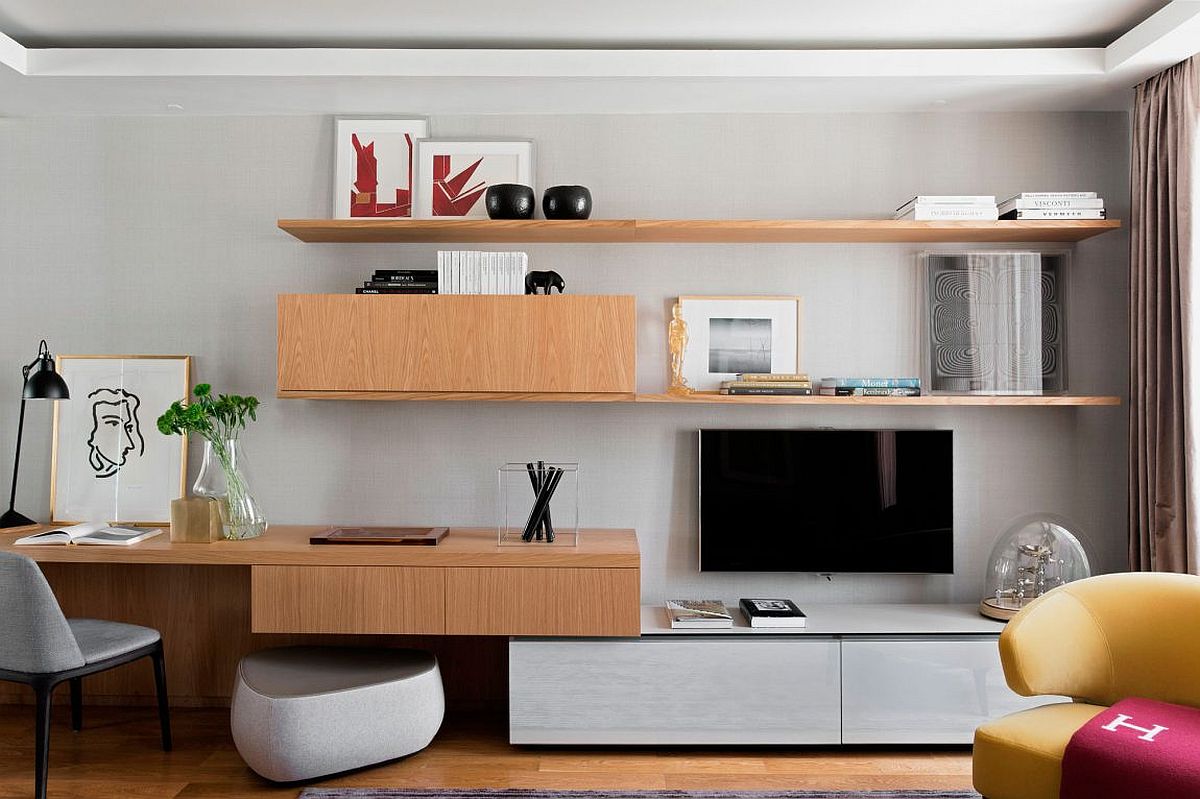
{"x": 117, "y": 757}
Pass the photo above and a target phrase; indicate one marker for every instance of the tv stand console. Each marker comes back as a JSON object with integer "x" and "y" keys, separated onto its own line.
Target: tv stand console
{"x": 857, "y": 674}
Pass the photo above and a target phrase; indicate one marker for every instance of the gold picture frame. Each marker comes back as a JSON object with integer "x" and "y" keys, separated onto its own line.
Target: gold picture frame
{"x": 688, "y": 339}
{"x": 127, "y": 419}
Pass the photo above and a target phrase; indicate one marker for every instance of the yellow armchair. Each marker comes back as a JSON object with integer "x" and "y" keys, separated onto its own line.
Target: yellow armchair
{"x": 1096, "y": 641}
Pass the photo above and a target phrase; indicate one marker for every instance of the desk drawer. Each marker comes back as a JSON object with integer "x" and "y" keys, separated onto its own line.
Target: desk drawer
{"x": 347, "y": 599}
{"x": 543, "y": 601}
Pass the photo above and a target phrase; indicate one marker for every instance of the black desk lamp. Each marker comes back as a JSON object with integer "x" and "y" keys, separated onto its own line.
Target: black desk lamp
{"x": 42, "y": 382}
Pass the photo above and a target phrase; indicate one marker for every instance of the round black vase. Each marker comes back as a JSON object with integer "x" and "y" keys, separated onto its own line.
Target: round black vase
{"x": 509, "y": 201}
{"x": 567, "y": 202}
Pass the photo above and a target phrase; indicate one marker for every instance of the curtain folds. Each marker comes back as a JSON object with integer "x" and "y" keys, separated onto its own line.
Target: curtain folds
{"x": 1164, "y": 424}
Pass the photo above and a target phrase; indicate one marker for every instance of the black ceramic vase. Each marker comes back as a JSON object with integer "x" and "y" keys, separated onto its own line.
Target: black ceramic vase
{"x": 509, "y": 201}
{"x": 567, "y": 202}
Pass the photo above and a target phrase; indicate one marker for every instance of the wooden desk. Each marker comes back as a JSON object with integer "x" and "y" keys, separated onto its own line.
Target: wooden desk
{"x": 216, "y": 602}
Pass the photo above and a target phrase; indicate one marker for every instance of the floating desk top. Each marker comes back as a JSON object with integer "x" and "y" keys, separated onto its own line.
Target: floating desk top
{"x": 287, "y": 545}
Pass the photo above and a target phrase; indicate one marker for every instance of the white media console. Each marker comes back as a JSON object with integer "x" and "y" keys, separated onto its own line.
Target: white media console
{"x": 857, "y": 674}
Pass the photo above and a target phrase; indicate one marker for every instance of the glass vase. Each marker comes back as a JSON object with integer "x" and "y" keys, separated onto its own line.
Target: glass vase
{"x": 223, "y": 478}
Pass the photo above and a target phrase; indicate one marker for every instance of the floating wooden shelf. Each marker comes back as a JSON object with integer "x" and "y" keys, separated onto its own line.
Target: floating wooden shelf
{"x": 930, "y": 400}
{"x": 693, "y": 231}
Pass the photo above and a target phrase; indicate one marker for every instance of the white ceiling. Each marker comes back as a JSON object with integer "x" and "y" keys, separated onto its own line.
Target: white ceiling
{"x": 767, "y": 24}
{"x": 87, "y": 57}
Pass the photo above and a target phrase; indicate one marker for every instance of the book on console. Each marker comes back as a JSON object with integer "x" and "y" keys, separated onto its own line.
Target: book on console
{"x": 772, "y": 377}
{"x": 361, "y": 290}
{"x": 767, "y": 391}
{"x": 903, "y": 391}
{"x": 1057, "y": 213}
{"x": 90, "y": 534}
{"x": 870, "y": 382}
{"x": 773, "y": 613}
{"x": 705, "y": 614}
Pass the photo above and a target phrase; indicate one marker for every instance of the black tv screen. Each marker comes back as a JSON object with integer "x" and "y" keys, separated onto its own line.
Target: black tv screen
{"x": 879, "y": 501}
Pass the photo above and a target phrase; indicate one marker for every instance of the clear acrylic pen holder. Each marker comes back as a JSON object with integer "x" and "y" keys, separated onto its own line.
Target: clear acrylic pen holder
{"x": 539, "y": 504}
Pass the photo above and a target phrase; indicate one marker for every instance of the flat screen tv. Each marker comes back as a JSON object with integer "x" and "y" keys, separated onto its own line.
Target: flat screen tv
{"x": 823, "y": 501}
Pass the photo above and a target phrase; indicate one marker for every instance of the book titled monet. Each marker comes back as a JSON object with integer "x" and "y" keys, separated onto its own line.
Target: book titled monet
{"x": 773, "y": 613}
{"x": 703, "y": 614}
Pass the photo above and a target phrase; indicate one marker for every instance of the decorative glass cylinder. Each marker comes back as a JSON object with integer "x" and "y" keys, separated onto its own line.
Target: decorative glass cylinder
{"x": 1033, "y": 556}
{"x": 527, "y": 518}
{"x": 223, "y": 478}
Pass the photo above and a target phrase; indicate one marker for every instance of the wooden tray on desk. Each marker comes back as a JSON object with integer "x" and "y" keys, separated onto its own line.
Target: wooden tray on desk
{"x": 392, "y": 536}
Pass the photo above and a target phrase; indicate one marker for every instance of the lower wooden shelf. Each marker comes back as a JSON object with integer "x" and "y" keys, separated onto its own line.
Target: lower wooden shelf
{"x": 928, "y": 400}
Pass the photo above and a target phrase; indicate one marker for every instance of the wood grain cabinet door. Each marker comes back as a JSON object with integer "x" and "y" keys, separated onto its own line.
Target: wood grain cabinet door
{"x": 347, "y": 599}
{"x": 543, "y": 601}
{"x": 366, "y": 343}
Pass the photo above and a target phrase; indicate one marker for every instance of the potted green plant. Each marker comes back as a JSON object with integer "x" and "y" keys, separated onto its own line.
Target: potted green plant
{"x": 220, "y": 421}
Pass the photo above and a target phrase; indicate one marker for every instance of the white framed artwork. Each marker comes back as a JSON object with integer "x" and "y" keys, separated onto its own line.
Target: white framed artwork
{"x": 374, "y": 162}
{"x": 727, "y": 336}
{"x": 110, "y": 463}
{"x": 453, "y": 175}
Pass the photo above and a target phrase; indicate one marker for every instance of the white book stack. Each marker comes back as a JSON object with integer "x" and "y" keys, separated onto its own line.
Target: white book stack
{"x": 476, "y": 272}
{"x": 1053, "y": 205}
{"x": 932, "y": 207}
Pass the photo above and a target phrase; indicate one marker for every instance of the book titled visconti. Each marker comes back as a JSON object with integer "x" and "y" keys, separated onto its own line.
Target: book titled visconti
{"x": 698, "y": 614}
{"x": 778, "y": 613}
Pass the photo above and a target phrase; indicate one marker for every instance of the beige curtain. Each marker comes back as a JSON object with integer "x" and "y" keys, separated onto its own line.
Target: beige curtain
{"x": 1164, "y": 422}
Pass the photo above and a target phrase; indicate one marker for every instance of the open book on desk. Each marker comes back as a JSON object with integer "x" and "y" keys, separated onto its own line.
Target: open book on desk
{"x": 91, "y": 533}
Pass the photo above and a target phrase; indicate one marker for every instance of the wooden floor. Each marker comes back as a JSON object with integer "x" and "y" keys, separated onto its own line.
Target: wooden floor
{"x": 117, "y": 757}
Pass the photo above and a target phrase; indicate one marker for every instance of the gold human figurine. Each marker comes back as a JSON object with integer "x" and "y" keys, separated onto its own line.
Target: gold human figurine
{"x": 677, "y": 337}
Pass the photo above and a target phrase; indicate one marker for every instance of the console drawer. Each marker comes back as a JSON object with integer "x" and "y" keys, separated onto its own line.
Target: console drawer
{"x": 682, "y": 690}
{"x": 347, "y": 599}
{"x": 930, "y": 691}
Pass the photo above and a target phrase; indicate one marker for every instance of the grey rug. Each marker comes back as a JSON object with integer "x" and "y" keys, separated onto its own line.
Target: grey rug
{"x": 518, "y": 793}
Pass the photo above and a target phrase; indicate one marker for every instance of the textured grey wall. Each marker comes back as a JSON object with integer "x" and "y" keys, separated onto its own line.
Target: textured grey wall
{"x": 157, "y": 235}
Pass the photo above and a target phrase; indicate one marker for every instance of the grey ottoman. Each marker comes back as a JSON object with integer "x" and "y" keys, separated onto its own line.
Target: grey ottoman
{"x": 304, "y": 712}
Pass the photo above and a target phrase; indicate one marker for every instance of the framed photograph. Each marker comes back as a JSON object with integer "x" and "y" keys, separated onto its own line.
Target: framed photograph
{"x": 373, "y": 167}
{"x": 110, "y": 463}
{"x": 724, "y": 336}
{"x": 452, "y": 176}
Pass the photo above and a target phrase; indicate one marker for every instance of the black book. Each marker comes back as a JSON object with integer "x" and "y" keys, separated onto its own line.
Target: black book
{"x": 768, "y": 391}
{"x": 403, "y": 284}
{"x": 772, "y": 613}
{"x": 405, "y": 274}
{"x": 395, "y": 291}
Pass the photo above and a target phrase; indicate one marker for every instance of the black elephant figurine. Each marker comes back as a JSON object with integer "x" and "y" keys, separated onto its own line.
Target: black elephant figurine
{"x": 546, "y": 281}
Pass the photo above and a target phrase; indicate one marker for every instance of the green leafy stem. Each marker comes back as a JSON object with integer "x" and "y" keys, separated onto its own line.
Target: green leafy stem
{"x": 217, "y": 419}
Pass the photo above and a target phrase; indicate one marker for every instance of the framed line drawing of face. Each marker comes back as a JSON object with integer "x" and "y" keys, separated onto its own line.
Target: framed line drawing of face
{"x": 109, "y": 462}
{"x": 727, "y": 336}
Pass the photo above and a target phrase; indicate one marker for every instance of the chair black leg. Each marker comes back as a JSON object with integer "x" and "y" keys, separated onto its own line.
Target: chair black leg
{"x": 77, "y": 703}
{"x": 42, "y": 746}
{"x": 160, "y": 683}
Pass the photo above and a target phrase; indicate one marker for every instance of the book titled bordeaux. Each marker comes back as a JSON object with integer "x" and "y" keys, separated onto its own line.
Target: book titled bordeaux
{"x": 698, "y": 614}
{"x": 779, "y": 613}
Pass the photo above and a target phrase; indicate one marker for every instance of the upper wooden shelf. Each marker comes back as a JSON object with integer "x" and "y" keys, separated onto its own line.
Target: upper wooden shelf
{"x": 695, "y": 231}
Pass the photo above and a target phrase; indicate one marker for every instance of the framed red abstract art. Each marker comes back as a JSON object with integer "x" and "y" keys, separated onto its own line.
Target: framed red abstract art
{"x": 373, "y": 176}
{"x": 452, "y": 176}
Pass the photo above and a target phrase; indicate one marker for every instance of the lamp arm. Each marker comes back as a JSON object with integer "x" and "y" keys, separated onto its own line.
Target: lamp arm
{"x": 12, "y": 496}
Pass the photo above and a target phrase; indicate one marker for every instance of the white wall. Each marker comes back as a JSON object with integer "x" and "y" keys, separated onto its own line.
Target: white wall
{"x": 157, "y": 235}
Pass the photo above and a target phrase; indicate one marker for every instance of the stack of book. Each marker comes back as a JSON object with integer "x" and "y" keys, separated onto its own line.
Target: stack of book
{"x": 870, "y": 387}
{"x": 949, "y": 206}
{"x": 401, "y": 281}
{"x": 698, "y": 614}
{"x": 796, "y": 385}
{"x": 474, "y": 272}
{"x": 1053, "y": 205}
{"x": 778, "y": 613}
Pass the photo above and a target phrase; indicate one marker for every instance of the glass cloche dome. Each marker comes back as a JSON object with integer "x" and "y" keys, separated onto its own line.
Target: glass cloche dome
{"x": 1033, "y": 556}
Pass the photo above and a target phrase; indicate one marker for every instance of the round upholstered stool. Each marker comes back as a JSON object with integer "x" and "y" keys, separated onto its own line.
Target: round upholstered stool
{"x": 305, "y": 712}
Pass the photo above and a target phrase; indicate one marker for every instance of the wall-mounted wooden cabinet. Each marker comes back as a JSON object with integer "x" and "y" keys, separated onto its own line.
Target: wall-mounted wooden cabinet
{"x": 381, "y": 346}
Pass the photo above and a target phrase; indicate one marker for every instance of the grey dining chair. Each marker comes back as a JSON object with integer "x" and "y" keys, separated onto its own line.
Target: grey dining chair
{"x": 42, "y": 648}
